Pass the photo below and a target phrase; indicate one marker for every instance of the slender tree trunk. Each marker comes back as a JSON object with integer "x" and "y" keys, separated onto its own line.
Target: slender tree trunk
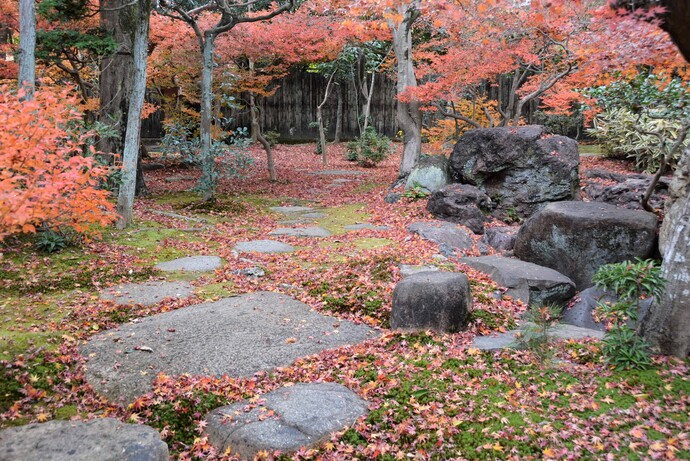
{"x": 319, "y": 120}
{"x": 339, "y": 116}
{"x": 209, "y": 175}
{"x": 125, "y": 199}
{"x": 367, "y": 107}
{"x": 27, "y": 47}
{"x": 408, "y": 113}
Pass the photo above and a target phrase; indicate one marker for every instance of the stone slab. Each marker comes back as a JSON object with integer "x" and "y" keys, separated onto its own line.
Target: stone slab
{"x": 286, "y": 419}
{"x": 407, "y": 269}
{"x": 507, "y": 339}
{"x": 237, "y": 336}
{"x": 192, "y": 264}
{"x": 147, "y": 293}
{"x": 264, "y": 246}
{"x": 339, "y": 173}
{"x": 366, "y": 226}
{"x": 449, "y": 237}
{"x": 291, "y": 209}
{"x": 105, "y": 439}
{"x": 302, "y": 232}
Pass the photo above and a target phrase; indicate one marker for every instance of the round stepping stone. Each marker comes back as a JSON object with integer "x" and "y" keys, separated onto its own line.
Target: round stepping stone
{"x": 237, "y": 336}
{"x": 291, "y": 209}
{"x": 367, "y": 225}
{"x": 105, "y": 439}
{"x": 291, "y": 417}
{"x": 264, "y": 246}
{"x": 147, "y": 293}
{"x": 302, "y": 232}
{"x": 508, "y": 339}
{"x": 192, "y": 264}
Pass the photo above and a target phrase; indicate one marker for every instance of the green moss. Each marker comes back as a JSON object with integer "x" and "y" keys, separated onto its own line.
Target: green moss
{"x": 372, "y": 243}
{"x": 338, "y": 217}
{"x": 594, "y": 149}
{"x": 215, "y": 291}
{"x": 66, "y": 412}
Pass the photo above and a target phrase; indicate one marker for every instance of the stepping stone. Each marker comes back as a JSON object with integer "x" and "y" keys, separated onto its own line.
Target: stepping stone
{"x": 237, "y": 336}
{"x": 104, "y": 439}
{"x": 449, "y": 237}
{"x": 291, "y": 209}
{"x": 291, "y": 417}
{"x": 507, "y": 339}
{"x": 302, "y": 232}
{"x": 367, "y": 225}
{"x": 314, "y": 215}
{"x": 580, "y": 313}
{"x": 530, "y": 283}
{"x": 406, "y": 270}
{"x": 147, "y": 293}
{"x": 264, "y": 246}
{"x": 192, "y": 264}
{"x": 339, "y": 173}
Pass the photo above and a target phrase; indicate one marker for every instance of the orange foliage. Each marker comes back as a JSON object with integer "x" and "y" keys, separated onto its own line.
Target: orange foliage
{"x": 45, "y": 179}
{"x": 445, "y": 132}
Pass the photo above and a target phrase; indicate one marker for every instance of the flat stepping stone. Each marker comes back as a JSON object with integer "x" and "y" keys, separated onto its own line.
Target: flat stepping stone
{"x": 339, "y": 173}
{"x": 104, "y": 439}
{"x": 264, "y": 246}
{"x": 148, "y": 293}
{"x": 192, "y": 264}
{"x": 406, "y": 269}
{"x": 508, "y": 340}
{"x": 302, "y": 232}
{"x": 237, "y": 336}
{"x": 367, "y": 226}
{"x": 530, "y": 283}
{"x": 297, "y": 416}
{"x": 291, "y": 209}
{"x": 449, "y": 237}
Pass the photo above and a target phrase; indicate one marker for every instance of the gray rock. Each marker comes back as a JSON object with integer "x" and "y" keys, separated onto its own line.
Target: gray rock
{"x": 628, "y": 192}
{"x": 576, "y": 238}
{"x": 302, "y": 415}
{"x": 462, "y": 204}
{"x": 238, "y": 336}
{"x": 264, "y": 246}
{"x": 509, "y": 340}
{"x": 251, "y": 272}
{"x": 406, "y": 270}
{"x": 339, "y": 173}
{"x": 449, "y": 237}
{"x": 521, "y": 169}
{"x": 580, "y": 313}
{"x": 532, "y": 284}
{"x": 500, "y": 238}
{"x": 105, "y": 439}
{"x": 291, "y": 209}
{"x": 313, "y": 215}
{"x": 392, "y": 197}
{"x": 192, "y": 264}
{"x": 302, "y": 232}
{"x": 147, "y": 293}
{"x": 367, "y": 226}
{"x": 431, "y": 173}
{"x": 437, "y": 301}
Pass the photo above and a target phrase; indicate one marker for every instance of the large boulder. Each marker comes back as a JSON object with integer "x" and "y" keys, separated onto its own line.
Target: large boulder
{"x": 286, "y": 419}
{"x": 431, "y": 173}
{"x": 438, "y": 301}
{"x": 105, "y": 439}
{"x": 520, "y": 168}
{"x": 460, "y": 203}
{"x": 530, "y": 283}
{"x": 576, "y": 238}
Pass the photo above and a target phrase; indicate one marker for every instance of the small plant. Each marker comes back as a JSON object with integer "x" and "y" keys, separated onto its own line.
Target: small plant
{"x": 536, "y": 333}
{"x": 631, "y": 282}
{"x": 370, "y": 149}
{"x": 50, "y": 241}
{"x": 416, "y": 192}
{"x": 272, "y": 137}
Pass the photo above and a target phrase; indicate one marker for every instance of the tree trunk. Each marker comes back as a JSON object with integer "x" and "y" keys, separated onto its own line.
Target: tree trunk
{"x": 407, "y": 113}
{"x": 339, "y": 116}
{"x": 209, "y": 175}
{"x": 27, "y": 47}
{"x": 667, "y": 323}
{"x": 117, "y": 20}
{"x": 141, "y": 189}
{"x": 367, "y": 106}
{"x": 125, "y": 199}
{"x": 319, "y": 120}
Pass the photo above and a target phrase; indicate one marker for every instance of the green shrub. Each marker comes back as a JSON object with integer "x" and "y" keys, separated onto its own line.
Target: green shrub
{"x": 370, "y": 149}
{"x": 631, "y": 282}
{"x": 272, "y": 137}
{"x": 536, "y": 333}
{"x": 416, "y": 192}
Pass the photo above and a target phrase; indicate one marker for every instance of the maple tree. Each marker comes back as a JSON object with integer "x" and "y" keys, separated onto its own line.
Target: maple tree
{"x": 46, "y": 181}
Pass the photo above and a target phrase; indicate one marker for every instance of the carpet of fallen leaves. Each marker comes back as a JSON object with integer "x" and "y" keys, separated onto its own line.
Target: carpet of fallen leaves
{"x": 430, "y": 396}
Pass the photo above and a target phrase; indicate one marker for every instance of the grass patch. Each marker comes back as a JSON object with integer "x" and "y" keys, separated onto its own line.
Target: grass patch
{"x": 215, "y": 291}
{"x": 590, "y": 149}
{"x": 337, "y": 218}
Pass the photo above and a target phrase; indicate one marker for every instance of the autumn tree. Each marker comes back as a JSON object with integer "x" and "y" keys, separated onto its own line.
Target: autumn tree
{"x": 226, "y": 15}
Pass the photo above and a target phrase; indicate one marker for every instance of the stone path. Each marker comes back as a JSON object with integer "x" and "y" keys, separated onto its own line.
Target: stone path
{"x": 237, "y": 336}
{"x": 286, "y": 419}
{"x": 191, "y": 264}
{"x": 339, "y": 173}
{"x": 302, "y": 232}
{"x": 264, "y": 246}
{"x": 103, "y": 439}
{"x": 147, "y": 293}
{"x": 507, "y": 339}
